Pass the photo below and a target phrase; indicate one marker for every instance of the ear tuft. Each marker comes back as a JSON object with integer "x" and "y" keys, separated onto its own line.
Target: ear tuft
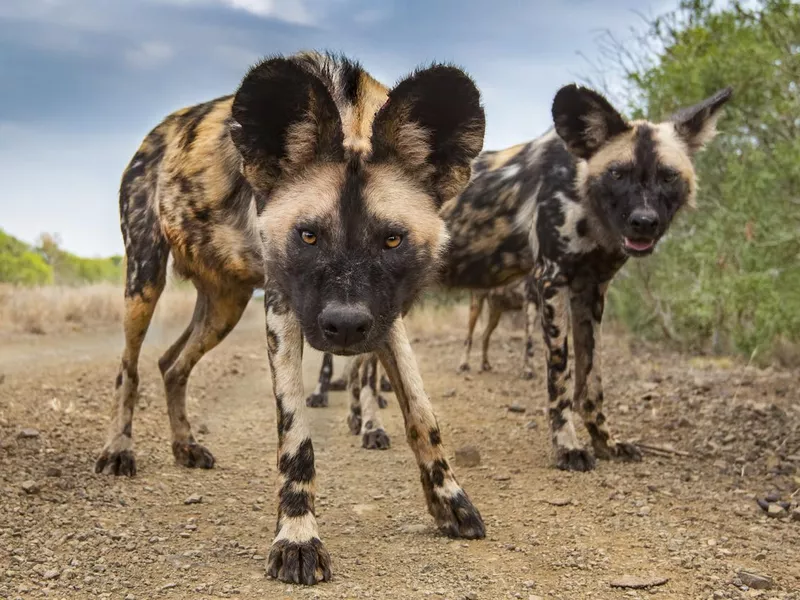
{"x": 432, "y": 124}
{"x": 585, "y": 120}
{"x": 283, "y": 118}
{"x": 697, "y": 125}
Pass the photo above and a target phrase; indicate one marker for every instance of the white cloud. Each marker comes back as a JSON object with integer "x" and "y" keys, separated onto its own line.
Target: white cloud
{"x": 291, "y": 11}
{"x": 149, "y": 54}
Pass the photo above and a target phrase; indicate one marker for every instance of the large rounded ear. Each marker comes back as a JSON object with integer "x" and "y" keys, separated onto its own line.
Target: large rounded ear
{"x": 585, "y": 120}
{"x": 697, "y": 125}
{"x": 432, "y": 126}
{"x": 283, "y": 120}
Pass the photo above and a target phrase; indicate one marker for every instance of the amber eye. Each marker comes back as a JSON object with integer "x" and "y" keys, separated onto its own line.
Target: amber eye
{"x": 393, "y": 241}
{"x": 309, "y": 237}
{"x": 669, "y": 177}
{"x": 616, "y": 174}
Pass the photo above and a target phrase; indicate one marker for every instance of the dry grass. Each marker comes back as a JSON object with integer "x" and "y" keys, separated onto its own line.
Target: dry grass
{"x": 55, "y": 309}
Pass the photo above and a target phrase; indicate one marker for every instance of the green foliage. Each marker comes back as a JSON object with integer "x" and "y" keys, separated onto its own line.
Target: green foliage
{"x": 728, "y": 275}
{"x": 19, "y": 264}
{"x": 46, "y": 263}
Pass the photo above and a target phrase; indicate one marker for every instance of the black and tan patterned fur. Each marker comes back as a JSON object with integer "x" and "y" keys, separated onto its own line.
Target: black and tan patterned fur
{"x": 317, "y": 182}
{"x": 587, "y": 195}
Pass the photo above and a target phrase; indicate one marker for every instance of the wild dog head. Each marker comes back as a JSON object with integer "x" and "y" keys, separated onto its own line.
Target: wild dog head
{"x": 353, "y": 175}
{"x": 637, "y": 174}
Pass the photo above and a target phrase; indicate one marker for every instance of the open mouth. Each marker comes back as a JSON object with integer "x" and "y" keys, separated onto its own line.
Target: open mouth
{"x": 638, "y": 246}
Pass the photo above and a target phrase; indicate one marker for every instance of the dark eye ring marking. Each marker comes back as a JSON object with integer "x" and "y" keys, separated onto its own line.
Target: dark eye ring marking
{"x": 393, "y": 241}
{"x": 615, "y": 173}
{"x": 309, "y": 237}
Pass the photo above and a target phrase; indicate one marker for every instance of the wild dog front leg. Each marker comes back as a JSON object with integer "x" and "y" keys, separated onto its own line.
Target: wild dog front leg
{"x": 554, "y": 294}
{"x": 297, "y": 554}
{"x": 373, "y": 435}
{"x": 319, "y": 397}
{"x": 476, "y": 299}
{"x": 449, "y": 504}
{"x": 531, "y": 307}
{"x": 587, "y": 305}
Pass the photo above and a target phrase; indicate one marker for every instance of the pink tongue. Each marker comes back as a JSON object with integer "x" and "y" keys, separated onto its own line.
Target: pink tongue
{"x": 638, "y": 245}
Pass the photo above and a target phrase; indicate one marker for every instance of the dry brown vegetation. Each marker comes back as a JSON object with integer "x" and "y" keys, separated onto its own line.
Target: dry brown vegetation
{"x": 55, "y": 309}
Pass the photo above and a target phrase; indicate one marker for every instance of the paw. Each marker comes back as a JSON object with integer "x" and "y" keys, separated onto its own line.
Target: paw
{"x": 192, "y": 455}
{"x": 317, "y": 401}
{"x": 457, "y": 517}
{"x": 486, "y": 366}
{"x": 337, "y": 385}
{"x": 375, "y": 440}
{"x": 117, "y": 458}
{"x": 382, "y": 402}
{"x": 621, "y": 451}
{"x": 527, "y": 374}
{"x": 306, "y": 563}
{"x": 577, "y": 459}
{"x": 463, "y": 368}
{"x": 354, "y": 423}
{"x": 386, "y": 385}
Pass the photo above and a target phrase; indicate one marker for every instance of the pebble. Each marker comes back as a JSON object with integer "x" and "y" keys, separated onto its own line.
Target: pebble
{"x": 638, "y": 583}
{"x": 772, "y": 497}
{"x": 194, "y": 499}
{"x": 414, "y": 528}
{"x": 776, "y": 511}
{"x": 31, "y": 487}
{"x": 516, "y": 408}
{"x": 203, "y": 429}
{"x": 468, "y": 456}
{"x": 796, "y": 514}
{"x": 558, "y": 501}
{"x": 51, "y": 574}
{"x": 449, "y": 393}
{"x": 168, "y": 586}
{"x": 755, "y": 580}
{"x": 28, "y": 433}
{"x": 531, "y": 425}
{"x": 53, "y": 472}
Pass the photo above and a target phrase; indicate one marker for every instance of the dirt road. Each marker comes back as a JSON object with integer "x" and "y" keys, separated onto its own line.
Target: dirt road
{"x": 689, "y": 516}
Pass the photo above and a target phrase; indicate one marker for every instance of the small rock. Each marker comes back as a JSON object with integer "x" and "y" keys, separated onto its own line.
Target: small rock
{"x": 468, "y": 456}
{"x": 534, "y": 597}
{"x": 502, "y": 477}
{"x": 638, "y": 583}
{"x": 194, "y": 499}
{"x": 168, "y": 586}
{"x": 31, "y": 487}
{"x": 756, "y": 581}
{"x": 559, "y": 501}
{"x": 53, "y": 472}
{"x": 773, "y": 497}
{"x": 470, "y": 596}
{"x": 28, "y": 433}
{"x": 414, "y": 528}
{"x": 531, "y": 425}
{"x": 202, "y": 429}
{"x": 760, "y": 555}
{"x": 796, "y": 514}
{"x": 449, "y": 393}
{"x": 763, "y": 504}
{"x": 51, "y": 574}
{"x": 516, "y": 408}
{"x": 644, "y": 511}
{"x": 776, "y": 511}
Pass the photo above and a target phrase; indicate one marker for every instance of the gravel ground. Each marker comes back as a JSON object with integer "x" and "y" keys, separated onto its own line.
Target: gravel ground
{"x": 710, "y": 513}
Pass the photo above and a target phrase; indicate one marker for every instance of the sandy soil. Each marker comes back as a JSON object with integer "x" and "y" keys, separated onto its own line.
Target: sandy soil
{"x": 690, "y": 516}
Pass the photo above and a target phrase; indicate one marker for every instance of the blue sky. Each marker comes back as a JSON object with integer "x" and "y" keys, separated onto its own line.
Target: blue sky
{"x": 84, "y": 80}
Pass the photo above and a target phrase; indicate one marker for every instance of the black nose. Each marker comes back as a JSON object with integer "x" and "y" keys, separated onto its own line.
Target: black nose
{"x": 344, "y": 325}
{"x": 644, "y": 222}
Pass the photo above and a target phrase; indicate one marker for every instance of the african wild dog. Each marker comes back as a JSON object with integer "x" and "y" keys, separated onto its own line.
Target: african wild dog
{"x": 584, "y": 197}
{"x": 319, "y": 177}
{"x": 510, "y": 297}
